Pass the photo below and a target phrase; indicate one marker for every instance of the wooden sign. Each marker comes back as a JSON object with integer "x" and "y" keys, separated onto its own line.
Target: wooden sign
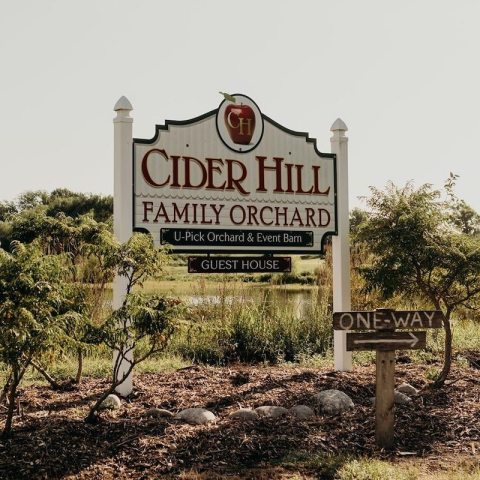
{"x": 386, "y": 341}
{"x": 387, "y": 320}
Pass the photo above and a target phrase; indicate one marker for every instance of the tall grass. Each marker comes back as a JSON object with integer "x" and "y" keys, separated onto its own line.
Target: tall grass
{"x": 233, "y": 326}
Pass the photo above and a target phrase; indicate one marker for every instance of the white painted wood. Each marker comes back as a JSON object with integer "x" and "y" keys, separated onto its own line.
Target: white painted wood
{"x": 341, "y": 246}
{"x": 162, "y": 203}
{"x": 122, "y": 211}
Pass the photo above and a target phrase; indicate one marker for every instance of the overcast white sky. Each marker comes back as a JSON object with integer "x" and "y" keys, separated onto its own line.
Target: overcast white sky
{"x": 403, "y": 75}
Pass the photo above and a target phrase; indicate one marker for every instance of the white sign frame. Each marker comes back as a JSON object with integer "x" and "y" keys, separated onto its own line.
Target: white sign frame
{"x": 294, "y": 183}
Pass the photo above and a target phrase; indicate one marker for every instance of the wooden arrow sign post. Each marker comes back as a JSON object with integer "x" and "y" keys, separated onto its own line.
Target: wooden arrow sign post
{"x": 385, "y": 340}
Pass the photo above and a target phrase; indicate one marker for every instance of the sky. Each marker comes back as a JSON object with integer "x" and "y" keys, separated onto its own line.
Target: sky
{"x": 403, "y": 75}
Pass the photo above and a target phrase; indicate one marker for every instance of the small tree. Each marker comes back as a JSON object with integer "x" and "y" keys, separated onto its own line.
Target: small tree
{"x": 31, "y": 295}
{"x": 142, "y": 319}
{"x": 419, "y": 250}
{"x": 150, "y": 319}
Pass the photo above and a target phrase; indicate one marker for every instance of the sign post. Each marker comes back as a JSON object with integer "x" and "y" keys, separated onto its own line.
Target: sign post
{"x": 122, "y": 215}
{"x": 342, "y": 358}
{"x": 385, "y": 340}
{"x": 385, "y": 398}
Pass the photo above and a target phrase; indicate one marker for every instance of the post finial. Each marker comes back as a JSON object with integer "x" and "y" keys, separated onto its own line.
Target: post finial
{"x": 123, "y": 104}
{"x": 338, "y": 125}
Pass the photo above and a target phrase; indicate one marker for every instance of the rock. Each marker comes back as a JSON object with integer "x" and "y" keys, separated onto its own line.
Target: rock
{"x": 112, "y": 402}
{"x": 302, "y": 412}
{"x": 333, "y": 401}
{"x": 240, "y": 378}
{"x": 399, "y": 398}
{"x": 271, "y": 411}
{"x": 196, "y": 416}
{"x": 244, "y": 414}
{"x": 407, "y": 389}
{"x": 158, "y": 413}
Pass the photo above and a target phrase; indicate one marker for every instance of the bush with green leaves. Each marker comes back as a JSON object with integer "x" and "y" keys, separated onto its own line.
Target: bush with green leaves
{"x": 423, "y": 247}
{"x": 32, "y": 316}
{"x": 24, "y": 218}
{"x": 147, "y": 320}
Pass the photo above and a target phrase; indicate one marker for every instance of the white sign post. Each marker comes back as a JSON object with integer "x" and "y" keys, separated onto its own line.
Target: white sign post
{"x": 341, "y": 246}
{"x": 122, "y": 216}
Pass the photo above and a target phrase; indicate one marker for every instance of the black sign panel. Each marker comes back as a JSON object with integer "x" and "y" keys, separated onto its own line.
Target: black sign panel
{"x": 235, "y": 238}
{"x": 239, "y": 264}
{"x": 386, "y": 341}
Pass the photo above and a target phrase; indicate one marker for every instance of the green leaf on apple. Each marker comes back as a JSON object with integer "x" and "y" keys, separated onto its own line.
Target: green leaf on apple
{"x": 228, "y": 97}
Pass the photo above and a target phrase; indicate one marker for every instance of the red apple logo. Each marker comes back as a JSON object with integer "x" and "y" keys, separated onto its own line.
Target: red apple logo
{"x": 240, "y": 122}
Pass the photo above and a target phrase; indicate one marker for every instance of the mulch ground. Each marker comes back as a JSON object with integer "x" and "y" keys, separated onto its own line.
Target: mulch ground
{"x": 51, "y": 440}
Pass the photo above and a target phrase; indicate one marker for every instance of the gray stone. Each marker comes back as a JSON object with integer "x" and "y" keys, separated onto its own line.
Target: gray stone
{"x": 399, "y": 398}
{"x": 302, "y": 412}
{"x": 112, "y": 402}
{"x": 196, "y": 416}
{"x": 244, "y": 414}
{"x": 333, "y": 401}
{"x": 271, "y": 411}
{"x": 407, "y": 389}
{"x": 158, "y": 413}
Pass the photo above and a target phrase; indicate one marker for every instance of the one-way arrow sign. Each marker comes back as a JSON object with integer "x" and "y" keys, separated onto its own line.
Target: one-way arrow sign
{"x": 386, "y": 341}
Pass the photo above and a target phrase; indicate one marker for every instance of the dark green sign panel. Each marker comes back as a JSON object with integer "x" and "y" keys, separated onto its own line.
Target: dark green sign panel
{"x": 235, "y": 238}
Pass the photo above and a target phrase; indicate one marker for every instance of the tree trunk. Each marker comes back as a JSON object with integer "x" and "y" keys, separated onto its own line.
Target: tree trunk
{"x": 46, "y": 375}
{"x": 6, "y": 388}
{"x": 92, "y": 414}
{"x": 447, "y": 358}
{"x": 78, "y": 377}
{"x": 11, "y": 402}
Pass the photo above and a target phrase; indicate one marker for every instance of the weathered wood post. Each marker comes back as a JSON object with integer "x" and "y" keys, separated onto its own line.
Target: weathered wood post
{"x": 384, "y": 398}
{"x": 122, "y": 213}
{"x": 341, "y": 245}
{"x": 385, "y": 389}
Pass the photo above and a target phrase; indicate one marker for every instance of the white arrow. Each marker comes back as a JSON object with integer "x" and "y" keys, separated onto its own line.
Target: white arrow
{"x": 414, "y": 340}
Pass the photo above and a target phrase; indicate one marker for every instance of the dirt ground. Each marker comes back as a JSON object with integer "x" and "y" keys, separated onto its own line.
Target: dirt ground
{"x": 51, "y": 440}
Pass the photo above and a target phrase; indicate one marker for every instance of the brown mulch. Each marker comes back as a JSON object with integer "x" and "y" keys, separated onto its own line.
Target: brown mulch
{"x": 51, "y": 440}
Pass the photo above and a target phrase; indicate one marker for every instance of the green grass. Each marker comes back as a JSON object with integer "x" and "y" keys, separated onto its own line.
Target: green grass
{"x": 324, "y": 466}
{"x": 372, "y": 469}
{"x": 96, "y": 365}
{"x": 307, "y": 263}
{"x": 345, "y": 467}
